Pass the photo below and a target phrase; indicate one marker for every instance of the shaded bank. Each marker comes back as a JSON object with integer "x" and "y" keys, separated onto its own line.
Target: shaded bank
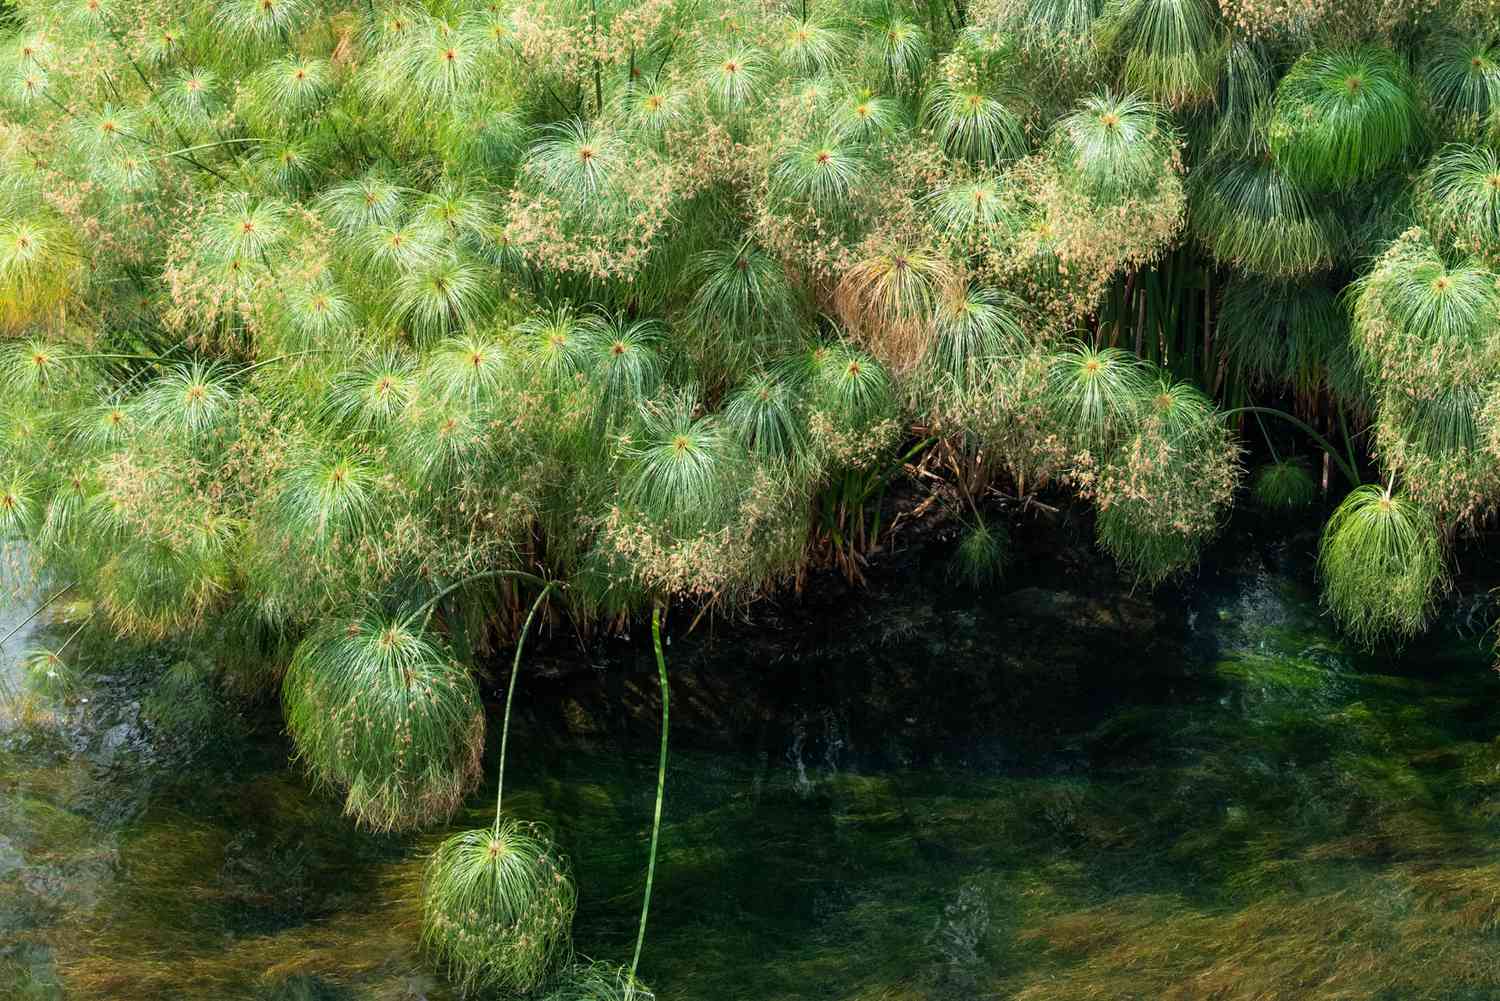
{"x": 1054, "y": 790}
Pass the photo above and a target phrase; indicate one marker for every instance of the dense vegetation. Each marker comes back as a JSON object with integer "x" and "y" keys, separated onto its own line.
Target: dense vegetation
{"x": 335, "y": 334}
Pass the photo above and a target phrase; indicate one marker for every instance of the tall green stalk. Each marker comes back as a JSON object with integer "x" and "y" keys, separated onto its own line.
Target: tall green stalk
{"x": 498, "y": 902}
{"x": 661, "y": 788}
{"x": 510, "y": 695}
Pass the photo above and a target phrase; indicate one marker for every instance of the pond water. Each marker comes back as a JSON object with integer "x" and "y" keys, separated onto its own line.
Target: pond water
{"x": 1053, "y": 791}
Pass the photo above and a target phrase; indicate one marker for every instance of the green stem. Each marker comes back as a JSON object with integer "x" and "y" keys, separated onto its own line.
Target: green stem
{"x": 35, "y": 612}
{"x": 430, "y": 605}
{"x": 294, "y": 354}
{"x": 1350, "y": 473}
{"x": 510, "y": 695}
{"x": 222, "y": 142}
{"x": 116, "y": 357}
{"x": 1344, "y": 430}
{"x": 661, "y": 788}
{"x": 68, "y": 642}
{"x": 1264, "y": 434}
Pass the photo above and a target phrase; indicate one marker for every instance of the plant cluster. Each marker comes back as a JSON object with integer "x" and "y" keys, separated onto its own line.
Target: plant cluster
{"x": 311, "y": 310}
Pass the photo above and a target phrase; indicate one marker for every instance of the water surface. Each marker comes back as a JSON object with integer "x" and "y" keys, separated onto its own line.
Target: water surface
{"x": 1057, "y": 790}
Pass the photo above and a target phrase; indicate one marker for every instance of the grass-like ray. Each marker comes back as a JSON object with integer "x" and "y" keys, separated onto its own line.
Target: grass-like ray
{"x": 1341, "y": 115}
{"x": 1381, "y": 560}
{"x": 378, "y": 709}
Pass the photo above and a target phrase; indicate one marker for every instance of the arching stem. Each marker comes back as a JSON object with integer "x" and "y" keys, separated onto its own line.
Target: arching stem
{"x": 223, "y": 142}
{"x": 294, "y": 354}
{"x": 430, "y": 605}
{"x": 1350, "y": 473}
{"x": 510, "y": 695}
{"x": 661, "y": 788}
{"x": 1266, "y": 435}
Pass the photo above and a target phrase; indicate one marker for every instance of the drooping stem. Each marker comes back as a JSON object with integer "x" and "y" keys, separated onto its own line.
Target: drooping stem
{"x": 661, "y": 788}
{"x": 430, "y": 605}
{"x": 510, "y": 695}
{"x": 222, "y": 142}
{"x": 1344, "y": 430}
{"x": 1266, "y": 435}
{"x": 1350, "y": 473}
{"x": 294, "y": 354}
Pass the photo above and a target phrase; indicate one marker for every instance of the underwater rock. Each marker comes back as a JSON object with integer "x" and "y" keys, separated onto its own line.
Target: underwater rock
{"x": 114, "y": 739}
{"x": 11, "y": 858}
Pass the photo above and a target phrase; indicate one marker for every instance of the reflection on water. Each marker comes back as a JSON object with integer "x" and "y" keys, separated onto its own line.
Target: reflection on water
{"x": 1042, "y": 794}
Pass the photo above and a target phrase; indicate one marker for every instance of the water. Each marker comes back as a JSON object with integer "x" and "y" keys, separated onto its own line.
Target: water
{"x": 1053, "y": 792}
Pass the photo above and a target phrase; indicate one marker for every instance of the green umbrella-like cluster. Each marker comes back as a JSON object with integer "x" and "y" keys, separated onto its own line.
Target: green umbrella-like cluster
{"x": 310, "y": 312}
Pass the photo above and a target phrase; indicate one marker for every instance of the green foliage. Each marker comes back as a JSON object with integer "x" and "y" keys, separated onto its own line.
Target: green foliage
{"x": 1097, "y": 395}
{"x": 763, "y": 413}
{"x": 1162, "y": 493}
{"x": 1058, "y": 22}
{"x": 498, "y": 907}
{"x": 158, "y": 587}
{"x": 578, "y": 161}
{"x": 1342, "y": 115}
{"x": 1382, "y": 564}
{"x": 981, "y": 555}
{"x": 683, "y": 471}
{"x": 48, "y": 674}
{"x": 850, "y": 387}
{"x": 1424, "y": 330}
{"x": 972, "y": 334}
{"x": 598, "y": 982}
{"x": 304, "y": 309}
{"x": 1252, "y": 215}
{"x": 1416, "y": 300}
{"x": 1462, "y": 77}
{"x": 1284, "y": 485}
{"x": 810, "y": 46}
{"x": 903, "y": 47}
{"x": 379, "y": 710}
{"x": 742, "y": 302}
{"x": 497, "y": 904}
{"x": 973, "y": 125}
{"x": 1172, "y": 49}
{"x": 1117, "y": 143}
{"x": 183, "y": 701}
{"x": 822, "y": 170}
{"x": 1462, "y": 184}
{"x": 1288, "y": 336}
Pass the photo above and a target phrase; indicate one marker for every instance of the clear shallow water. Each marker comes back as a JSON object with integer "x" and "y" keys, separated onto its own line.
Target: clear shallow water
{"x": 1043, "y": 793}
